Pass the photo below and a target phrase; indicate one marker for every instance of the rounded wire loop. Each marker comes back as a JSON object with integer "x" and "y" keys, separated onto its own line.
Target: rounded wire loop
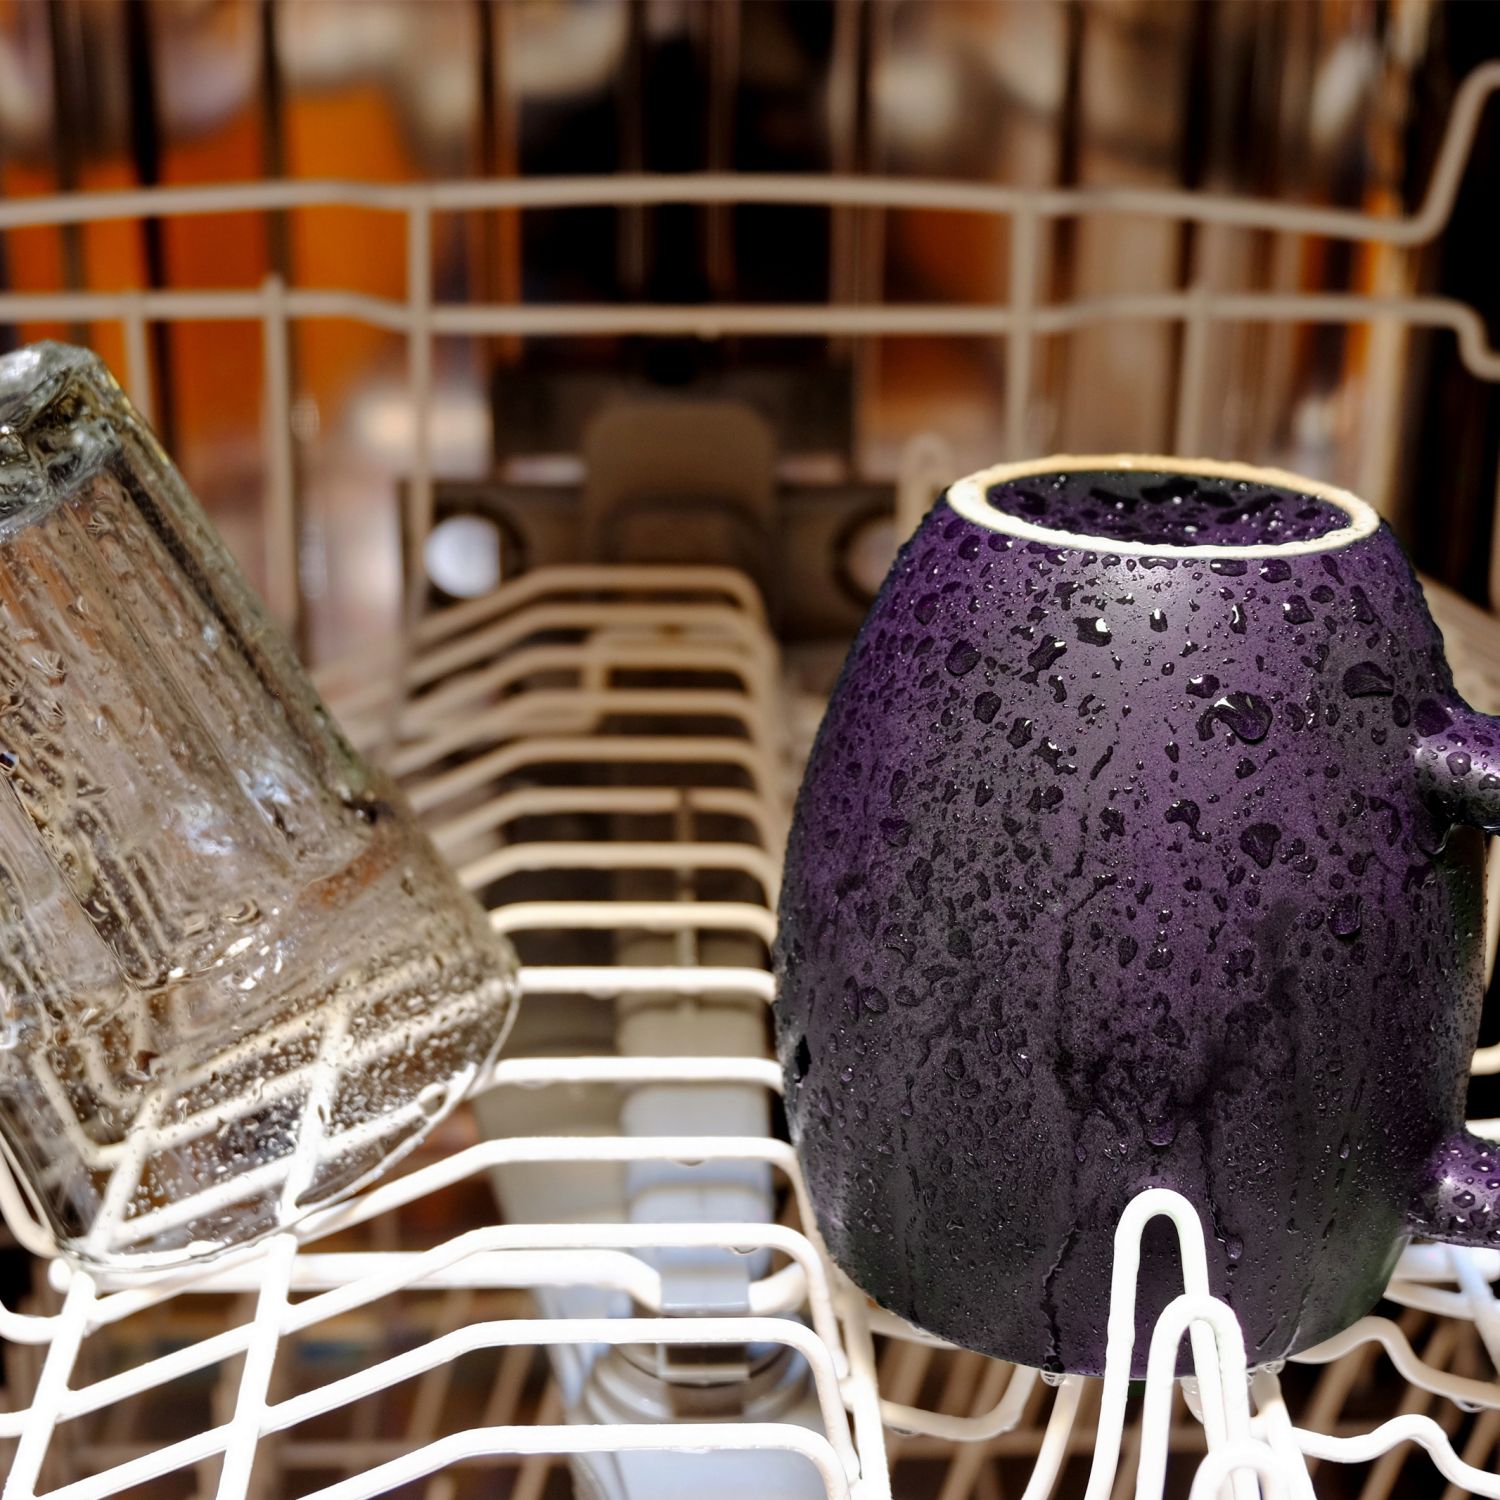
{"x": 1226, "y": 1409}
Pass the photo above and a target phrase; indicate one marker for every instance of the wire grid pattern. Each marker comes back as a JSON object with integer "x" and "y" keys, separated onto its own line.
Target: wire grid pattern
{"x": 446, "y": 705}
{"x": 473, "y": 786}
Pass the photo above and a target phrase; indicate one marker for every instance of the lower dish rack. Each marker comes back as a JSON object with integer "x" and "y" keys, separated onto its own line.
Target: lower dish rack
{"x": 601, "y": 1277}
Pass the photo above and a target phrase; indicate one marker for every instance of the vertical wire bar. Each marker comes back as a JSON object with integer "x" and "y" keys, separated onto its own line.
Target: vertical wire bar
{"x": 967, "y": 1459}
{"x": 844, "y": 284}
{"x": 283, "y": 573}
{"x": 419, "y": 389}
{"x": 1187, "y": 435}
{"x": 1483, "y": 1308}
{"x": 51, "y": 1388}
{"x": 1270, "y": 1407}
{"x": 138, "y": 383}
{"x": 533, "y": 1470}
{"x": 862, "y": 1395}
{"x": 1019, "y": 350}
{"x": 872, "y": 242}
{"x": 1495, "y": 547}
{"x": 255, "y": 1378}
{"x": 419, "y": 486}
{"x": 317, "y": 1106}
{"x": 125, "y": 1178}
{"x": 1053, "y": 1450}
{"x": 724, "y": 24}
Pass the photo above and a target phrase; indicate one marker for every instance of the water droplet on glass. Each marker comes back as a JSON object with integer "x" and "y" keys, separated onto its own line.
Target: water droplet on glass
{"x": 1158, "y": 621}
{"x": 51, "y": 665}
{"x": 1093, "y": 631}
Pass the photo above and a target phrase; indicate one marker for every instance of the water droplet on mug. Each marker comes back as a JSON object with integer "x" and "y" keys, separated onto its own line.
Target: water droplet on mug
{"x": 1367, "y": 679}
{"x": 1259, "y": 841}
{"x": 1345, "y": 919}
{"x": 962, "y": 657}
{"x": 1184, "y": 810}
{"x": 1045, "y": 654}
{"x": 1247, "y": 716}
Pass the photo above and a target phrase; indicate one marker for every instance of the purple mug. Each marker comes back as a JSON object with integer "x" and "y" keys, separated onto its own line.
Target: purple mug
{"x": 1139, "y": 848}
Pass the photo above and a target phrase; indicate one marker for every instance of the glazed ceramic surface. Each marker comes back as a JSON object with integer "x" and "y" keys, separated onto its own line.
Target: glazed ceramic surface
{"x": 1138, "y": 849}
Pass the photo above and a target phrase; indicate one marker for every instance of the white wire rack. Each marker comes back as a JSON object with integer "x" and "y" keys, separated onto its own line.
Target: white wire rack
{"x": 605, "y": 742}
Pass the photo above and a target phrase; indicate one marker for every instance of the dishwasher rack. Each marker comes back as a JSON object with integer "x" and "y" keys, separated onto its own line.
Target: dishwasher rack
{"x": 600, "y": 752}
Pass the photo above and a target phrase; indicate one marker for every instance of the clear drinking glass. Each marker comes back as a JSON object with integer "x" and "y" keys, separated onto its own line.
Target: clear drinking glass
{"x": 235, "y": 978}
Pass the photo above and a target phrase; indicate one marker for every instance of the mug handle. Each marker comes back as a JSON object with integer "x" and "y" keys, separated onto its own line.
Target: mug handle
{"x": 1458, "y": 767}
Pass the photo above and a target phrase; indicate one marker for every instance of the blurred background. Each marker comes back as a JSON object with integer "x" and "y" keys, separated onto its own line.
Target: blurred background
{"x": 1339, "y": 103}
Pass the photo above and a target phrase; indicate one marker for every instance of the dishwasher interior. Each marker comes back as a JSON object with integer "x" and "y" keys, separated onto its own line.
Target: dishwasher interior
{"x": 571, "y": 467}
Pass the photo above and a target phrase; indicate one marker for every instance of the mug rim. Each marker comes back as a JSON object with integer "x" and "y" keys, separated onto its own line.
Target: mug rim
{"x": 969, "y": 497}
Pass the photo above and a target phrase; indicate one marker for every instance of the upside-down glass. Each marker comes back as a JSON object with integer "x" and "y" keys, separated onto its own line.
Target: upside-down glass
{"x": 236, "y": 980}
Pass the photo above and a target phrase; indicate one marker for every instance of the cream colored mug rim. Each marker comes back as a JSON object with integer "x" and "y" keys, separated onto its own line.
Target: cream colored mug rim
{"x": 969, "y": 497}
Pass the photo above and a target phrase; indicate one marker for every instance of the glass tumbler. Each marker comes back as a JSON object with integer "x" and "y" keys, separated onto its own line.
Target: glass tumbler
{"x": 236, "y": 980}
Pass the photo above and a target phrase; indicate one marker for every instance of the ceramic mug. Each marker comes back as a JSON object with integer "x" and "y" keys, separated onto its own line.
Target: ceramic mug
{"x": 1139, "y": 848}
